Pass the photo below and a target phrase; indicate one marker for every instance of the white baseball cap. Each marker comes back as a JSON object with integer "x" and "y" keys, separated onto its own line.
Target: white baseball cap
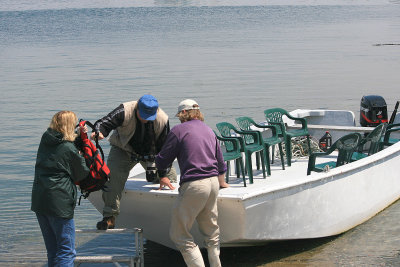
{"x": 187, "y": 104}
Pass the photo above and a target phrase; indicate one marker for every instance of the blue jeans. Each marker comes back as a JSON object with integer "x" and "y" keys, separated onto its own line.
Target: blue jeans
{"x": 59, "y": 238}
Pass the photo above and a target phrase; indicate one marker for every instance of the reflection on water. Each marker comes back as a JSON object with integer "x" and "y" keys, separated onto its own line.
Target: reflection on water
{"x": 374, "y": 243}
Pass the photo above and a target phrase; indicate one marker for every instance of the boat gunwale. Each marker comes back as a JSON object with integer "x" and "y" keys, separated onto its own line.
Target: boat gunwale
{"x": 326, "y": 177}
{"x": 291, "y": 186}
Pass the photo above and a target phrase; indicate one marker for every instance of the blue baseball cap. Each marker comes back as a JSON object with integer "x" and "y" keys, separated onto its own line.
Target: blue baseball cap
{"x": 148, "y": 106}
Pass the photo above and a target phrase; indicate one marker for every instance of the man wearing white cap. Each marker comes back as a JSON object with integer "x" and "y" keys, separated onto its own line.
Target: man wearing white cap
{"x": 201, "y": 163}
{"x": 139, "y": 130}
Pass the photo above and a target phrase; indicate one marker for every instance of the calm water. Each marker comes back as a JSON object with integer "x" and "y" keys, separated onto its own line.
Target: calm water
{"x": 233, "y": 57}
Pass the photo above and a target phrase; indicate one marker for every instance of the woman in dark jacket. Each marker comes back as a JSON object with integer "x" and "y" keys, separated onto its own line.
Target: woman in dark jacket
{"x": 54, "y": 194}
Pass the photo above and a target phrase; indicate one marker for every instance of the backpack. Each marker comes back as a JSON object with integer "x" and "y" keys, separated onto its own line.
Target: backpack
{"x": 99, "y": 172}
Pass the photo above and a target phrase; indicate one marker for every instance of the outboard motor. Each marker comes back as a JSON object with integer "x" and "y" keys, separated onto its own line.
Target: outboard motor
{"x": 373, "y": 111}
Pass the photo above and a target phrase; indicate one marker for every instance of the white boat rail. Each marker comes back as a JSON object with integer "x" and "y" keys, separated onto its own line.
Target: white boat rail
{"x": 136, "y": 260}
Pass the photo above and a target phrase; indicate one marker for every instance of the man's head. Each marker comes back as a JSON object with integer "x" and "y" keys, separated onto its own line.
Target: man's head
{"x": 188, "y": 109}
{"x": 147, "y": 107}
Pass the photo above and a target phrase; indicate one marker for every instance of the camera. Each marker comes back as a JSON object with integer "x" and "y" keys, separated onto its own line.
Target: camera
{"x": 151, "y": 171}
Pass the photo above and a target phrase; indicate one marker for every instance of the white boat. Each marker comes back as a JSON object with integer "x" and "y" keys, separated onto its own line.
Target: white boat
{"x": 286, "y": 205}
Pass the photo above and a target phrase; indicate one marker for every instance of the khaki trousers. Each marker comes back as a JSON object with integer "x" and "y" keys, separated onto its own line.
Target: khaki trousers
{"x": 197, "y": 200}
{"x": 120, "y": 163}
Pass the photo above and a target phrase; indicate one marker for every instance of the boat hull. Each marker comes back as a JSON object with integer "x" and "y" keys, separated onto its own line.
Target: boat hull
{"x": 328, "y": 204}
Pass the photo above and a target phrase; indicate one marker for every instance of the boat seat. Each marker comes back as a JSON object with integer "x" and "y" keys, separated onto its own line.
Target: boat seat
{"x": 250, "y": 143}
{"x": 345, "y": 145}
{"x": 387, "y": 140}
{"x": 232, "y": 152}
{"x": 274, "y": 116}
{"x": 373, "y": 139}
{"x": 246, "y": 124}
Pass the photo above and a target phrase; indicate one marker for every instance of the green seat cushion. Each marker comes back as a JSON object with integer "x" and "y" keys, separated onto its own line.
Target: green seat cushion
{"x": 358, "y": 155}
{"x": 321, "y": 167}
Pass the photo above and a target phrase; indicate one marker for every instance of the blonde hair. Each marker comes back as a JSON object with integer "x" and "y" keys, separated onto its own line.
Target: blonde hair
{"x": 65, "y": 122}
{"x": 191, "y": 114}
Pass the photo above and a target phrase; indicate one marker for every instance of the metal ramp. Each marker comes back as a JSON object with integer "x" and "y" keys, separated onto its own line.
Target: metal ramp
{"x": 136, "y": 260}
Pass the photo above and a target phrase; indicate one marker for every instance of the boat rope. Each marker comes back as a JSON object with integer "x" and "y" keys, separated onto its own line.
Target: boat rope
{"x": 300, "y": 147}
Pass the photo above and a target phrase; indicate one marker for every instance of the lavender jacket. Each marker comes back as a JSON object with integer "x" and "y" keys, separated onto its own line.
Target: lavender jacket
{"x": 195, "y": 146}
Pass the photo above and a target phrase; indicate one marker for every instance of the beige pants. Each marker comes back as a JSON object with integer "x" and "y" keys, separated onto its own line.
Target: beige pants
{"x": 120, "y": 163}
{"x": 197, "y": 200}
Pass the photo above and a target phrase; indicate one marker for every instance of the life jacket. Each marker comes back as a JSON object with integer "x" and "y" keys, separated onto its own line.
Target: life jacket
{"x": 99, "y": 172}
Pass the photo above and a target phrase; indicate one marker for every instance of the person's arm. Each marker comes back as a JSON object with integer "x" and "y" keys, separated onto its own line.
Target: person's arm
{"x": 220, "y": 158}
{"x": 221, "y": 167}
{"x": 159, "y": 144}
{"x": 168, "y": 152}
{"x": 221, "y": 181}
{"x": 110, "y": 122}
{"x": 165, "y": 158}
{"x": 78, "y": 167}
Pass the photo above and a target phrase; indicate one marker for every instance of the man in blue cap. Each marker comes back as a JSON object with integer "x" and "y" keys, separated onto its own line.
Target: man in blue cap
{"x": 139, "y": 130}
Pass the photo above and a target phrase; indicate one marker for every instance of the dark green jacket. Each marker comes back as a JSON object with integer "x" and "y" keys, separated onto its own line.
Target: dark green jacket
{"x": 58, "y": 165}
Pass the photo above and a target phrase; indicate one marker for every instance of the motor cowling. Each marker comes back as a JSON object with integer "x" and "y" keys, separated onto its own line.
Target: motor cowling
{"x": 373, "y": 111}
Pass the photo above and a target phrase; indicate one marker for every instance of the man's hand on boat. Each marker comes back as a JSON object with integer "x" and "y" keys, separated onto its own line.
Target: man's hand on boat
{"x": 99, "y": 136}
{"x": 164, "y": 181}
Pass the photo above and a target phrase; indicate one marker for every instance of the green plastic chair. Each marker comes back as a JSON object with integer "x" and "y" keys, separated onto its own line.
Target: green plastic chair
{"x": 274, "y": 117}
{"x": 232, "y": 152}
{"x": 345, "y": 145}
{"x": 373, "y": 139}
{"x": 387, "y": 141}
{"x": 245, "y": 124}
{"x": 250, "y": 143}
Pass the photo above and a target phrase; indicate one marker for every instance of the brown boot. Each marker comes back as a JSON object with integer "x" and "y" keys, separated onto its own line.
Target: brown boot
{"x": 106, "y": 223}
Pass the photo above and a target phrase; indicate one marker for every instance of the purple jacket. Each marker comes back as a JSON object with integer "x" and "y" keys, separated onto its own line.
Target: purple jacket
{"x": 195, "y": 146}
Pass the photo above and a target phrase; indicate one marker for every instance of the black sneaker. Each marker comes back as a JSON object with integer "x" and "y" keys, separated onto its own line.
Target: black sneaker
{"x": 106, "y": 223}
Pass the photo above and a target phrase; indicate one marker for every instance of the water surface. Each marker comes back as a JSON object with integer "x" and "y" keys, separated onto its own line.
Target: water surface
{"x": 233, "y": 57}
